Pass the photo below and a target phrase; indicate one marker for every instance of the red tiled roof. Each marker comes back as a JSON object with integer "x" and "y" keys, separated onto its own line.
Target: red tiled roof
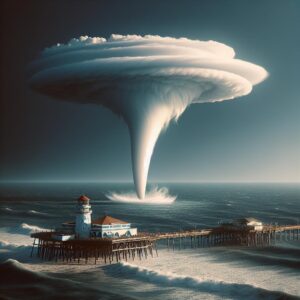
{"x": 83, "y": 198}
{"x": 107, "y": 220}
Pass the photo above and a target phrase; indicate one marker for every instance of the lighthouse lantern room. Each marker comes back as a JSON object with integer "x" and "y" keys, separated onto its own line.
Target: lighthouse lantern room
{"x": 83, "y": 218}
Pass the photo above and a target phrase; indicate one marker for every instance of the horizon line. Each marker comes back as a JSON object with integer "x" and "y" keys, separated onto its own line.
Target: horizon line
{"x": 149, "y": 182}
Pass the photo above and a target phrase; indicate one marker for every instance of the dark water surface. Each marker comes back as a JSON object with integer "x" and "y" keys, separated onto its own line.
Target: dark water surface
{"x": 215, "y": 273}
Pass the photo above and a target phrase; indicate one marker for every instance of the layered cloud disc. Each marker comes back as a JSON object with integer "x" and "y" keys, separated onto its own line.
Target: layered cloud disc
{"x": 148, "y": 81}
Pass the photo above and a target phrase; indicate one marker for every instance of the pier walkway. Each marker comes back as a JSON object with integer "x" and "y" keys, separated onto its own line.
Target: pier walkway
{"x": 144, "y": 244}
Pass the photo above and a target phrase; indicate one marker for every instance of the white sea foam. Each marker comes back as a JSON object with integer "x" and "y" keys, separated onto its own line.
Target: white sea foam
{"x": 14, "y": 238}
{"x": 9, "y": 245}
{"x": 218, "y": 267}
{"x": 154, "y": 196}
{"x": 23, "y": 212}
{"x": 34, "y": 212}
{"x": 27, "y": 228}
{"x": 18, "y": 235}
{"x": 221, "y": 288}
{"x": 14, "y": 245}
{"x": 16, "y": 241}
{"x": 7, "y": 209}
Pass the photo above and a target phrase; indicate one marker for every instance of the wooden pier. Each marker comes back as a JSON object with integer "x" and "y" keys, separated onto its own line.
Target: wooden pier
{"x": 269, "y": 235}
{"x": 106, "y": 249}
{"x": 144, "y": 244}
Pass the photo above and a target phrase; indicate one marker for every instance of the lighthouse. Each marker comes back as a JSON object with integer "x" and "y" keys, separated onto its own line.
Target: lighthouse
{"x": 83, "y": 218}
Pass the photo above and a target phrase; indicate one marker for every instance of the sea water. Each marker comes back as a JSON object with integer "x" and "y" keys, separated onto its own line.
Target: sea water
{"x": 197, "y": 273}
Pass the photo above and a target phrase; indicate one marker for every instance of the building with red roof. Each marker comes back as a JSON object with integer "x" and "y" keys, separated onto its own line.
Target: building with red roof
{"x": 106, "y": 227}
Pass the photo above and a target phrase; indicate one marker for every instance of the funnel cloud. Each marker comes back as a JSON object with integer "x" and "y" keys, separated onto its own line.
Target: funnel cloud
{"x": 147, "y": 80}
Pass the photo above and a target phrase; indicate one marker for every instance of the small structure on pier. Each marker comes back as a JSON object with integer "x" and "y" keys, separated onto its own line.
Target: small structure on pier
{"x": 250, "y": 223}
{"x": 244, "y": 224}
{"x": 110, "y": 227}
{"x": 62, "y": 236}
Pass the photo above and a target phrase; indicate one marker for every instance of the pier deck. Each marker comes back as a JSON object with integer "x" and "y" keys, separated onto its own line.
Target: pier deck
{"x": 144, "y": 244}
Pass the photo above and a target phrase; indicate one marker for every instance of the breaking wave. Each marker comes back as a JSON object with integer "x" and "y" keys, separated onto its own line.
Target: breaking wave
{"x": 16, "y": 242}
{"x": 18, "y": 281}
{"x": 31, "y": 212}
{"x": 25, "y": 228}
{"x": 284, "y": 257}
{"x": 220, "y": 288}
{"x": 154, "y": 196}
{"x": 10, "y": 245}
{"x": 19, "y": 249}
{"x": 7, "y": 209}
{"x": 34, "y": 212}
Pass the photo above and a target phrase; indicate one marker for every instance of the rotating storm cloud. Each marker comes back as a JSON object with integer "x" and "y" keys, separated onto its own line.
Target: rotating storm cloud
{"x": 146, "y": 80}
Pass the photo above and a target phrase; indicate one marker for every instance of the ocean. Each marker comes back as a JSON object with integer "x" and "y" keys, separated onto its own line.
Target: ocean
{"x": 199, "y": 273}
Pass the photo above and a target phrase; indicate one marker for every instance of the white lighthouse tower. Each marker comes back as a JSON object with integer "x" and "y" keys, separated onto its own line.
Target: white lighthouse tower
{"x": 83, "y": 218}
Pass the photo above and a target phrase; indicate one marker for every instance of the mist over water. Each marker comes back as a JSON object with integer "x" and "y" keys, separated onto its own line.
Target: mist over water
{"x": 198, "y": 273}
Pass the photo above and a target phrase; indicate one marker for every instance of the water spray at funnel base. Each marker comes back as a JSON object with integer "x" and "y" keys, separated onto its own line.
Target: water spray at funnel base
{"x": 154, "y": 196}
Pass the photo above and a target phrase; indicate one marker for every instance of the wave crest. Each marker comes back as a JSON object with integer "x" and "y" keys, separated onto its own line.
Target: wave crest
{"x": 154, "y": 196}
{"x": 27, "y": 228}
{"x": 221, "y": 288}
{"x": 35, "y": 212}
{"x": 31, "y": 212}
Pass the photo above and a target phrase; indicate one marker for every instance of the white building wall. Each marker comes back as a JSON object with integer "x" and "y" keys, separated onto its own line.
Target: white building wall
{"x": 257, "y": 225}
{"x": 63, "y": 237}
{"x": 110, "y": 232}
{"x": 83, "y": 225}
{"x": 119, "y": 232}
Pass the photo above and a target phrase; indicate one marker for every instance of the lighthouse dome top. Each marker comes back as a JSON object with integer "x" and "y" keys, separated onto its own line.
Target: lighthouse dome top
{"x": 83, "y": 199}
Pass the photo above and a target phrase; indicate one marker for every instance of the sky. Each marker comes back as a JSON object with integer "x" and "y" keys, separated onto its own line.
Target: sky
{"x": 251, "y": 139}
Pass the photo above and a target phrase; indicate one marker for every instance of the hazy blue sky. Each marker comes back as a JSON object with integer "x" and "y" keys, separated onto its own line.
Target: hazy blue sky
{"x": 254, "y": 138}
